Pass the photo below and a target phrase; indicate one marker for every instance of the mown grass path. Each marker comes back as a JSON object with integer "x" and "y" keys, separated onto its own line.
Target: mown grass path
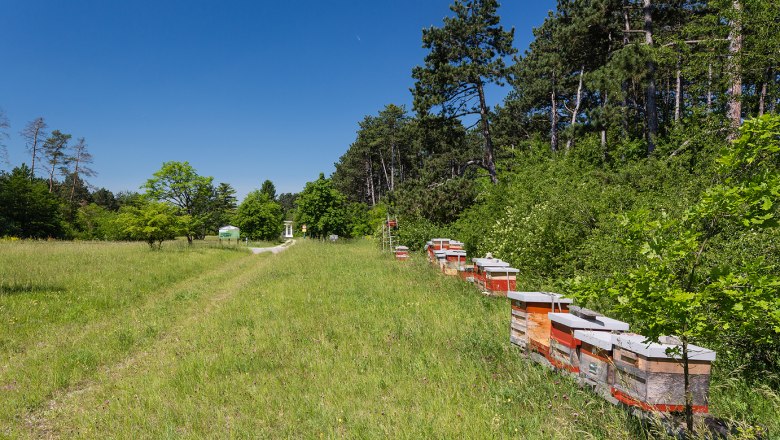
{"x": 323, "y": 340}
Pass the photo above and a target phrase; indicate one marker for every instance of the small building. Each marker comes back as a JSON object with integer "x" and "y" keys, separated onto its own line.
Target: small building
{"x": 650, "y": 376}
{"x": 530, "y": 325}
{"x": 288, "y": 229}
{"x": 563, "y": 345}
{"x": 229, "y": 233}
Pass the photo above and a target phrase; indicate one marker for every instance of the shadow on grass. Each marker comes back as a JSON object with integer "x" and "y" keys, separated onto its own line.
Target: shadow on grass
{"x": 18, "y": 289}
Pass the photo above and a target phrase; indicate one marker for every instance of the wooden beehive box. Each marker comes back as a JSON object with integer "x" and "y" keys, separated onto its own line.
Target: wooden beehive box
{"x": 455, "y": 259}
{"x": 466, "y": 273}
{"x": 595, "y": 359}
{"x": 440, "y": 258}
{"x": 479, "y": 268}
{"x": 563, "y": 345}
{"x": 530, "y": 326}
{"x": 455, "y": 245}
{"x": 429, "y": 250}
{"x": 440, "y": 243}
{"x": 648, "y": 376}
{"x": 500, "y": 280}
{"x": 401, "y": 253}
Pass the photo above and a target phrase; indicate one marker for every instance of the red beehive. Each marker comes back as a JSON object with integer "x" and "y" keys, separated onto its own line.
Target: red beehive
{"x": 479, "y": 268}
{"x": 530, "y": 325}
{"x": 455, "y": 245}
{"x": 440, "y": 259}
{"x": 500, "y": 280}
{"x": 455, "y": 259}
{"x": 429, "y": 250}
{"x": 401, "y": 253}
{"x": 563, "y": 345}
{"x": 440, "y": 243}
{"x": 466, "y": 273}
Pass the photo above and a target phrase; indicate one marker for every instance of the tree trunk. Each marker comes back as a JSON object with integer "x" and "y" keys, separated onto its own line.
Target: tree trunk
{"x": 34, "y": 153}
{"x": 483, "y": 114}
{"x": 678, "y": 93}
{"x": 51, "y": 177}
{"x": 384, "y": 168}
{"x": 709, "y": 87}
{"x": 687, "y": 379}
{"x": 553, "y": 118}
{"x": 735, "y": 87}
{"x": 624, "y": 84}
{"x": 652, "y": 110}
{"x": 762, "y": 99}
{"x": 577, "y": 103}
{"x": 75, "y": 176}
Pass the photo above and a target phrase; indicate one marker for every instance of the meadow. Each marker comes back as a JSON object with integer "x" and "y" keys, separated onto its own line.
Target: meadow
{"x": 113, "y": 340}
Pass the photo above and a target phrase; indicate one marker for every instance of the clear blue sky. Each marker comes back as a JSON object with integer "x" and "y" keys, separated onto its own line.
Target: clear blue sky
{"x": 243, "y": 90}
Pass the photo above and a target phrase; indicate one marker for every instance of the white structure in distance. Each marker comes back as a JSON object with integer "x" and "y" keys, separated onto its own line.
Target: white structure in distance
{"x": 288, "y": 229}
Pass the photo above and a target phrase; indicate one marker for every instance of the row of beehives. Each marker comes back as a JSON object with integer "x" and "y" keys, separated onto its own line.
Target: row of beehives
{"x": 599, "y": 351}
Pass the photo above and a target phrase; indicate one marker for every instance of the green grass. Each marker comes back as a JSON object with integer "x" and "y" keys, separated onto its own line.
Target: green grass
{"x": 322, "y": 340}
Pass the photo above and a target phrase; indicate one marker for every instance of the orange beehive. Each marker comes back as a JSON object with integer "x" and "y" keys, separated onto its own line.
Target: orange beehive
{"x": 401, "y": 253}
{"x": 530, "y": 324}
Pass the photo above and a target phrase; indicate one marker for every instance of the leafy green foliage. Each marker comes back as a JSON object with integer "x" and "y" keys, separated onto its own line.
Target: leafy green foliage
{"x": 179, "y": 184}
{"x": 152, "y": 222}
{"x": 27, "y": 208}
{"x": 323, "y": 209}
{"x": 268, "y": 189}
{"x": 259, "y": 217}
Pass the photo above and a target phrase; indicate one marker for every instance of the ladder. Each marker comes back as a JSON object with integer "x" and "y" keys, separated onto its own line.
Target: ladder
{"x": 389, "y": 237}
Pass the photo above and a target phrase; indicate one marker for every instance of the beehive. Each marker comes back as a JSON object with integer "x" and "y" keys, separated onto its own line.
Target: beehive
{"x": 455, "y": 259}
{"x": 650, "y": 377}
{"x": 429, "y": 250}
{"x": 455, "y": 245}
{"x": 500, "y": 280}
{"x": 479, "y": 268}
{"x": 440, "y": 243}
{"x": 563, "y": 345}
{"x": 530, "y": 326}
{"x": 595, "y": 359}
{"x": 440, "y": 259}
{"x": 401, "y": 252}
{"x": 466, "y": 273}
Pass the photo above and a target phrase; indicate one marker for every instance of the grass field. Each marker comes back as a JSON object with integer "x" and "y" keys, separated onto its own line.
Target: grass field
{"x": 323, "y": 340}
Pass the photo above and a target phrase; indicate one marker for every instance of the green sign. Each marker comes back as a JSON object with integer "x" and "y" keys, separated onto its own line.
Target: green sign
{"x": 229, "y": 233}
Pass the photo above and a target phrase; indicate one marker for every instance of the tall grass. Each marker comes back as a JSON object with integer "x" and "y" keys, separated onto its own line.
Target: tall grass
{"x": 322, "y": 340}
